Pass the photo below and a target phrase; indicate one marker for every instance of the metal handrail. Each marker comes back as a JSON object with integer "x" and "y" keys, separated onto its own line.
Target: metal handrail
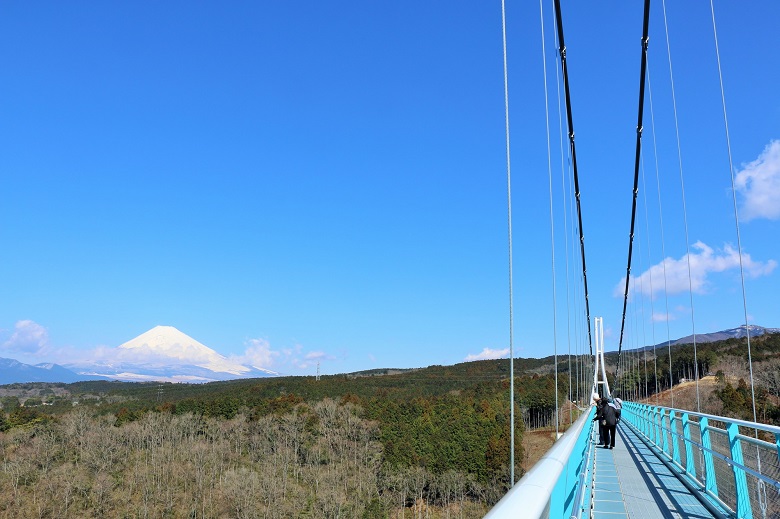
{"x": 742, "y": 423}
{"x": 726, "y": 459}
{"x": 650, "y": 421}
{"x": 542, "y": 492}
{"x": 576, "y": 511}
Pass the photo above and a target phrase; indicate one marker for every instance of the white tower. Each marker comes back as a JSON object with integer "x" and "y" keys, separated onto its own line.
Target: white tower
{"x": 599, "y": 329}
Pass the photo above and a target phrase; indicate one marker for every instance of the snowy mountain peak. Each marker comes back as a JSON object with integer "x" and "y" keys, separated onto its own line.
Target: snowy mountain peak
{"x": 166, "y": 344}
{"x": 168, "y": 341}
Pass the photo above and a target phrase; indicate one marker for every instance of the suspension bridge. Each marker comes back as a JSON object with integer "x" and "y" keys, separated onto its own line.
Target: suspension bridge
{"x": 668, "y": 462}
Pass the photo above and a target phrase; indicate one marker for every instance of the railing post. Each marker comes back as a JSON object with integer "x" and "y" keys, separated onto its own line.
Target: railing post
{"x": 744, "y": 509}
{"x": 675, "y": 443}
{"x": 636, "y": 416}
{"x": 710, "y": 483}
{"x": 690, "y": 464}
{"x": 656, "y": 425}
{"x": 664, "y": 441}
{"x": 777, "y": 444}
{"x": 651, "y": 423}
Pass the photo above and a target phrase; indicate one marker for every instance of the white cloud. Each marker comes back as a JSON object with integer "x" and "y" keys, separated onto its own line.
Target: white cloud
{"x": 704, "y": 260}
{"x": 663, "y": 317}
{"x": 28, "y": 338}
{"x": 311, "y": 359}
{"x": 488, "y": 354}
{"x": 258, "y": 353}
{"x": 758, "y": 184}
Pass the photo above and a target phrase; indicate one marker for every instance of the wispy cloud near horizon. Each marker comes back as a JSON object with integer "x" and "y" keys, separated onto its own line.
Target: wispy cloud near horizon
{"x": 257, "y": 353}
{"x": 672, "y": 274}
{"x": 488, "y": 354}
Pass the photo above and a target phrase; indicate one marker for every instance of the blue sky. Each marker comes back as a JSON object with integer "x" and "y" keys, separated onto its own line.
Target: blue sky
{"x": 325, "y": 182}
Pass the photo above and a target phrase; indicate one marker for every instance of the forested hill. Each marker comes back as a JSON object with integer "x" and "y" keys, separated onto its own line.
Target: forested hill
{"x": 482, "y": 377}
{"x": 364, "y": 444}
{"x": 379, "y": 383}
{"x": 436, "y": 433}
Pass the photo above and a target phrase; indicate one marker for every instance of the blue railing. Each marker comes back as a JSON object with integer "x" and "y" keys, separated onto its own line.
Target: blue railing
{"x": 554, "y": 486}
{"x": 733, "y": 464}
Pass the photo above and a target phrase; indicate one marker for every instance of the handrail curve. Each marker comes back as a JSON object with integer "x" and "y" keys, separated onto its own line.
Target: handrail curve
{"x": 549, "y": 489}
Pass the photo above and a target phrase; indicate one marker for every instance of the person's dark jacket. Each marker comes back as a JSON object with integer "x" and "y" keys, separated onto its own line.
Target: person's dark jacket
{"x": 599, "y": 412}
{"x": 610, "y": 415}
{"x": 607, "y": 413}
{"x": 617, "y": 412}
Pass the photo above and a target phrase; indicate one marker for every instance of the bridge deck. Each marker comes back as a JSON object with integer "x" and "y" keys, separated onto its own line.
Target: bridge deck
{"x": 631, "y": 482}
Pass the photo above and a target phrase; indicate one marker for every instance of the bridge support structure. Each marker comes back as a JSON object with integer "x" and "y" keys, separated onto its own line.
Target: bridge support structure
{"x": 600, "y": 367}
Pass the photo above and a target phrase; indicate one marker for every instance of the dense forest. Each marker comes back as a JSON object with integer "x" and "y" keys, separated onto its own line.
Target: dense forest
{"x": 431, "y": 442}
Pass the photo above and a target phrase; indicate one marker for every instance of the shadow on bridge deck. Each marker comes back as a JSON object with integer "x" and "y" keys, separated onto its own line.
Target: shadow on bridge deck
{"x": 631, "y": 482}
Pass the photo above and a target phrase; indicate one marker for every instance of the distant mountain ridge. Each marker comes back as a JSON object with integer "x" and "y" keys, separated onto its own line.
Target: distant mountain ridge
{"x": 732, "y": 333}
{"x": 12, "y": 371}
{"x": 165, "y": 354}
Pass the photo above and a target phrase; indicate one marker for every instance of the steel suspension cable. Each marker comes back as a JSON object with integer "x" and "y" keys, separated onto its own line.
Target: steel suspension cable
{"x": 582, "y": 364}
{"x": 573, "y": 150}
{"x": 663, "y": 240}
{"x": 565, "y": 239}
{"x": 649, "y": 260}
{"x": 685, "y": 212}
{"x": 736, "y": 211}
{"x": 642, "y": 313}
{"x": 552, "y": 220}
{"x": 761, "y": 487}
{"x": 509, "y": 225}
{"x": 638, "y": 154}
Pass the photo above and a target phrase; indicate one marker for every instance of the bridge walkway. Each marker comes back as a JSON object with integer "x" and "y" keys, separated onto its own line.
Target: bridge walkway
{"x": 631, "y": 482}
{"x": 667, "y": 463}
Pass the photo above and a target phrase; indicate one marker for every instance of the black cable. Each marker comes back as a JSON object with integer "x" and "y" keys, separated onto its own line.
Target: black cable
{"x": 562, "y": 51}
{"x": 642, "y": 73}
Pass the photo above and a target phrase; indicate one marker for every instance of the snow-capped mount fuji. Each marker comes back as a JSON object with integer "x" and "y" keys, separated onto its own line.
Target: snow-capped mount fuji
{"x": 165, "y": 344}
{"x": 166, "y": 354}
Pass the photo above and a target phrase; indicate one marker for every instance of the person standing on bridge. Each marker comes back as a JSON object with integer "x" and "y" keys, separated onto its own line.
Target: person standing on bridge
{"x": 617, "y": 403}
{"x": 596, "y": 401}
{"x": 607, "y": 417}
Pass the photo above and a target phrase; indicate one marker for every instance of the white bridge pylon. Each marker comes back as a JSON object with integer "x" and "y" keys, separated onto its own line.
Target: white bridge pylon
{"x": 599, "y": 360}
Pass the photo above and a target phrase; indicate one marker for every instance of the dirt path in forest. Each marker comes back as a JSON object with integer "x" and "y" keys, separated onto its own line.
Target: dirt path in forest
{"x": 535, "y": 444}
{"x": 538, "y": 441}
